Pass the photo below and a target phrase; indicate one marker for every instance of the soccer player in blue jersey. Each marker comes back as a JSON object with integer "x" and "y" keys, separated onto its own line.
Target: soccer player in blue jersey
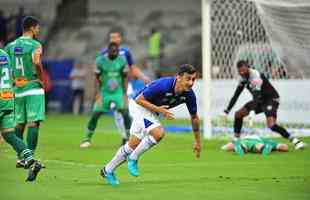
{"x": 146, "y": 131}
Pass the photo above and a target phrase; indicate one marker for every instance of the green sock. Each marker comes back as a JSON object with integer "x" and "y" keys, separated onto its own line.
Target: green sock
{"x": 92, "y": 124}
{"x": 18, "y": 145}
{"x": 127, "y": 119}
{"x": 32, "y": 137}
{"x": 19, "y": 133}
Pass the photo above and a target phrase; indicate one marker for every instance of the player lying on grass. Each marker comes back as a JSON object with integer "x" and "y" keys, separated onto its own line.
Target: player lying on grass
{"x": 146, "y": 130}
{"x": 255, "y": 144}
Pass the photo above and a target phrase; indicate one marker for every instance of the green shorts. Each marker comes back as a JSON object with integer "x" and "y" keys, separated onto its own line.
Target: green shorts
{"x": 30, "y": 108}
{"x": 271, "y": 142}
{"x": 250, "y": 144}
{"x": 105, "y": 104}
{"x": 7, "y": 119}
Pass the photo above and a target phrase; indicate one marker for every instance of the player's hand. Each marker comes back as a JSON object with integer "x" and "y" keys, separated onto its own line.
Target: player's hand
{"x": 167, "y": 114}
{"x": 226, "y": 112}
{"x": 197, "y": 149}
{"x": 98, "y": 99}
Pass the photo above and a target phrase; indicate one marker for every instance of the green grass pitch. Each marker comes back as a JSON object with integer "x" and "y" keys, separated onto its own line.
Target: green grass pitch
{"x": 169, "y": 171}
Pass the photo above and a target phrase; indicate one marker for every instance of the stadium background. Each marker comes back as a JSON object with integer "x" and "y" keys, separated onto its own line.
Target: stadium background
{"x": 73, "y": 31}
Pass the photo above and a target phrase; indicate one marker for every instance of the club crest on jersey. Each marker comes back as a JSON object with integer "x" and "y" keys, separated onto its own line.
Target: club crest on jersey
{"x": 3, "y": 60}
{"x": 269, "y": 107}
{"x": 183, "y": 98}
{"x": 172, "y": 101}
{"x": 18, "y": 51}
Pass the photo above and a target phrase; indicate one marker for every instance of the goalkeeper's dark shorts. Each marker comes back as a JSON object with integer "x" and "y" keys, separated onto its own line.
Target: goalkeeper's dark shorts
{"x": 269, "y": 107}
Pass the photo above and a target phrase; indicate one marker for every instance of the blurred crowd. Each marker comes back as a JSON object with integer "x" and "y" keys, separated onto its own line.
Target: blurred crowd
{"x": 10, "y": 26}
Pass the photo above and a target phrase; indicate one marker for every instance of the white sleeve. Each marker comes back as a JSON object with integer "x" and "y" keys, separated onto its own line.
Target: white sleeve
{"x": 255, "y": 80}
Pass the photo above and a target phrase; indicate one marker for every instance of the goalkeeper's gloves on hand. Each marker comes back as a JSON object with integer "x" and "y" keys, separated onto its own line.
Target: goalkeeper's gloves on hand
{"x": 226, "y": 111}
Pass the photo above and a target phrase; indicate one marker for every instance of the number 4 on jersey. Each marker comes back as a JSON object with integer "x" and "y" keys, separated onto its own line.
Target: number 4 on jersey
{"x": 20, "y": 65}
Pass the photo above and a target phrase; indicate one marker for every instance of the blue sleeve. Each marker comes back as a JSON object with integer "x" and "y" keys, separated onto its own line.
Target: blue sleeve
{"x": 104, "y": 51}
{"x": 129, "y": 58}
{"x": 191, "y": 103}
{"x": 153, "y": 90}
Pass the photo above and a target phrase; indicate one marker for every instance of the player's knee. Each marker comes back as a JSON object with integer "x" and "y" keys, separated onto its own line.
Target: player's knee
{"x": 33, "y": 124}
{"x": 272, "y": 126}
{"x": 158, "y": 133}
{"x": 258, "y": 148}
{"x": 239, "y": 115}
{"x": 7, "y": 131}
{"x": 133, "y": 141}
{"x": 20, "y": 126}
{"x": 97, "y": 114}
{"x": 158, "y": 136}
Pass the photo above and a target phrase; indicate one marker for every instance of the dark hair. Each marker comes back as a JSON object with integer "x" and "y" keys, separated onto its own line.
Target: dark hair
{"x": 186, "y": 68}
{"x": 241, "y": 63}
{"x": 29, "y": 21}
{"x": 115, "y": 31}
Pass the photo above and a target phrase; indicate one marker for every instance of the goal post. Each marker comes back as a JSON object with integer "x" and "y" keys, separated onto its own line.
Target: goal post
{"x": 206, "y": 69}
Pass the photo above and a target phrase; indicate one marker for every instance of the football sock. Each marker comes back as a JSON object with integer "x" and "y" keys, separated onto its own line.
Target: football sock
{"x": 282, "y": 131}
{"x": 18, "y": 145}
{"x": 32, "y": 137}
{"x": 238, "y": 125}
{"x": 92, "y": 124}
{"x": 19, "y": 133}
{"x": 127, "y": 121}
{"x": 118, "y": 158}
{"x": 27, "y": 155}
{"x": 146, "y": 143}
{"x": 119, "y": 121}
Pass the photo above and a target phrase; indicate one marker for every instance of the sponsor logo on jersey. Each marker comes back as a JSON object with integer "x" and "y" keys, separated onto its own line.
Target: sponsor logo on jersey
{"x": 3, "y": 60}
{"x": 18, "y": 50}
{"x": 6, "y": 95}
{"x": 20, "y": 82}
{"x": 183, "y": 98}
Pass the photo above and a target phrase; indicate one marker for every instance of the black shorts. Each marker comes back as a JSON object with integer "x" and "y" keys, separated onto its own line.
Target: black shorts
{"x": 269, "y": 107}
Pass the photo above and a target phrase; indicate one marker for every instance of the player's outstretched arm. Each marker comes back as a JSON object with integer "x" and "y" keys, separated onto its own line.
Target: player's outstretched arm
{"x": 196, "y": 130}
{"x": 152, "y": 107}
{"x": 234, "y": 99}
{"x": 137, "y": 73}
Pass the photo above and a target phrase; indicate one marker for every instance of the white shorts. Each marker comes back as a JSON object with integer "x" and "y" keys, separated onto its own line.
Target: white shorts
{"x": 143, "y": 120}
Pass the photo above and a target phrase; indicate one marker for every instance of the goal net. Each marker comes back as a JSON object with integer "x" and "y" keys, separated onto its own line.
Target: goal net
{"x": 273, "y": 36}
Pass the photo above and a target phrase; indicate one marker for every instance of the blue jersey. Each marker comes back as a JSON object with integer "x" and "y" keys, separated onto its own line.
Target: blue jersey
{"x": 161, "y": 92}
{"x": 124, "y": 52}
